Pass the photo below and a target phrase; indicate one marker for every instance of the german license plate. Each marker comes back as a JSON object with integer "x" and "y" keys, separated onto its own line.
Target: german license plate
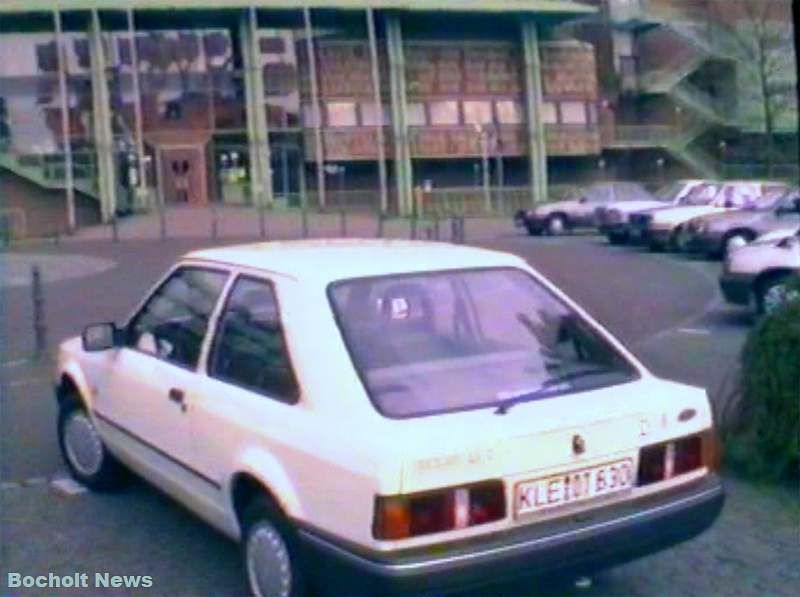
{"x": 573, "y": 486}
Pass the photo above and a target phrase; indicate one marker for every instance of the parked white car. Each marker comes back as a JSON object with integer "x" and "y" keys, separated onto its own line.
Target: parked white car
{"x": 423, "y": 414}
{"x": 758, "y": 273}
{"x": 662, "y": 228}
{"x": 613, "y": 221}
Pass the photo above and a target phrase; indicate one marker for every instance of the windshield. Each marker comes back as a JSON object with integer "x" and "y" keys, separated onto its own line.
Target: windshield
{"x": 702, "y": 194}
{"x": 446, "y": 341}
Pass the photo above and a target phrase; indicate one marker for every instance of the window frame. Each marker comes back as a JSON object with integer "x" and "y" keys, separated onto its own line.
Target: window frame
{"x": 214, "y": 341}
{"x": 212, "y": 317}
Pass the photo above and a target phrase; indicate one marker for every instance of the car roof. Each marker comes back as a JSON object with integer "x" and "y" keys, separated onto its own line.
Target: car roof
{"x": 327, "y": 260}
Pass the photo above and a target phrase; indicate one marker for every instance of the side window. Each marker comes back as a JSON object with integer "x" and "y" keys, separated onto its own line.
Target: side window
{"x": 173, "y": 322}
{"x": 250, "y": 348}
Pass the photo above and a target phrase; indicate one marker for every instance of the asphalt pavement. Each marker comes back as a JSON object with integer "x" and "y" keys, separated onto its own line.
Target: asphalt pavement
{"x": 667, "y": 309}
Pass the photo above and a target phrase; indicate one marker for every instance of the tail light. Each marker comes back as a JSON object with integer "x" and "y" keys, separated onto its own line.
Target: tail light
{"x": 660, "y": 462}
{"x": 399, "y": 517}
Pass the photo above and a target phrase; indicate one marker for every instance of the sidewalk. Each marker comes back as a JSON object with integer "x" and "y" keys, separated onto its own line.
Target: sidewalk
{"x": 245, "y": 222}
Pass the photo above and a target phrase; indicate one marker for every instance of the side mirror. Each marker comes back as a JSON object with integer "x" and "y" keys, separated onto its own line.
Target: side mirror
{"x": 100, "y": 336}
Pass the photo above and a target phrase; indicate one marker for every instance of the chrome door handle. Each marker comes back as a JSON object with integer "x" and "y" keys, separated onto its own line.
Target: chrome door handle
{"x": 177, "y": 396}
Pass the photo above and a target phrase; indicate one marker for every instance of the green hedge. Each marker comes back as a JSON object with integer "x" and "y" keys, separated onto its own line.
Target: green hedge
{"x": 765, "y": 441}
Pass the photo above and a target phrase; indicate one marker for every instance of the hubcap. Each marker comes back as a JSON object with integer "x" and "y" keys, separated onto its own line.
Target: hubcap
{"x": 83, "y": 445}
{"x": 735, "y": 242}
{"x": 268, "y": 566}
{"x": 778, "y": 295}
{"x": 556, "y": 226}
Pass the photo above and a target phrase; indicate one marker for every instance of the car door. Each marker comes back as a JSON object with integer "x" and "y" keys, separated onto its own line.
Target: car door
{"x": 248, "y": 397}
{"x": 145, "y": 395}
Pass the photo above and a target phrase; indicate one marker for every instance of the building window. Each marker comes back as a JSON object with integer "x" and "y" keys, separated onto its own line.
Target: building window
{"x": 342, "y": 114}
{"x": 477, "y": 112}
{"x": 573, "y": 113}
{"x": 415, "y": 113}
{"x": 509, "y": 112}
{"x": 444, "y": 113}
{"x": 549, "y": 113}
{"x": 369, "y": 115}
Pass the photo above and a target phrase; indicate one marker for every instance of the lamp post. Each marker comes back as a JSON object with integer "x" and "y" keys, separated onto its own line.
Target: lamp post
{"x": 601, "y": 165}
{"x": 484, "y": 142}
{"x": 660, "y": 164}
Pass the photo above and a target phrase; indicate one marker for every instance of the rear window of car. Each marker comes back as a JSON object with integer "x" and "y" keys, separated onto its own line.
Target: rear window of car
{"x": 447, "y": 341}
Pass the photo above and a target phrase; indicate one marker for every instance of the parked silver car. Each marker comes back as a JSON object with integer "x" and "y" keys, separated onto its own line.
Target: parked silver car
{"x": 716, "y": 235}
{"x": 759, "y": 273}
{"x": 579, "y": 210}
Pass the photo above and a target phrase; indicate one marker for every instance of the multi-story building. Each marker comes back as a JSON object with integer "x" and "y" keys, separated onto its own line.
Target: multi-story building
{"x": 334, "y": 102}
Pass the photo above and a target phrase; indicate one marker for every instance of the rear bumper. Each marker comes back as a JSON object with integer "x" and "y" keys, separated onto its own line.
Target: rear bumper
{"x": 737, "y": 288}
{"x": 579, "y": 544}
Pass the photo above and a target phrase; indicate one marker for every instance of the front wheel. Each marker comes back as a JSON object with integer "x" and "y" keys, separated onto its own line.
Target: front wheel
{"x": 83, "y": 451}
{"x": 773, "y": 293}
{"x": 269, "y": 561}
{"x": 735, "y": 241}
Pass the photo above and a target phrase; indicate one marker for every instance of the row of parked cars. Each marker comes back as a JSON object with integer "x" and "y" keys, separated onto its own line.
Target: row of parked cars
{"x": 752, "y": 225}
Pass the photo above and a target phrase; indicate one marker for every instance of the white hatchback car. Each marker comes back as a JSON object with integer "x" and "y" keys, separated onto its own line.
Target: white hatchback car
{"x": 424, "y": 414}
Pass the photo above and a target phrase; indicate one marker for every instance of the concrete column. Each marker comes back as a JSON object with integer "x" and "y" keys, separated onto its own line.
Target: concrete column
{"x": 319, "y": 150}
{"x": 257, "y": 124}
{"x": 376, "y": 88}
{"x": 66, "y": 131}
{"x": 397, "y": 81}
{"x": 537, "y": 150}
{"x": 101, "y": 110}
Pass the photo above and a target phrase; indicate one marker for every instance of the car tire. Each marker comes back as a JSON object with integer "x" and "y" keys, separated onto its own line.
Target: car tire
{"x": 734, "y": 240}
{"x": 556, "y": 225}
{"x": 655, "y": 246}
{"x": 88, "y": 460}
{"x": 679, "y": 241}
{"x": 533, "y": 230}
{"x": 617, "y": 238}
{"x": 772, "y": 293}
{"x": 269, "y": 553}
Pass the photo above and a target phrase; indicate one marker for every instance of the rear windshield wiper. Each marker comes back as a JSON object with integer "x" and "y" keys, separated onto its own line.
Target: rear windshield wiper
{"x": 548, "y": 388}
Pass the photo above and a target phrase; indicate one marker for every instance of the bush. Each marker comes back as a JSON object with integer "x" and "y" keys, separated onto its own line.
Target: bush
{"x": 763, "y": 436}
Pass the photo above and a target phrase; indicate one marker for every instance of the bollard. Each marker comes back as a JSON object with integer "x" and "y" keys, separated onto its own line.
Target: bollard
{"x": 462, "y": 230}
{"x": 262, "y": 223}
{"x": 379, "y": 231}
{"x": 162, "y": 223}
{"x": 453, "y": 230}
{"x": 214, "y": 225}
{"x": 114, "y": 230}
{"x": 428, "y": 233}
{"x": 436, "y": 227}
{"x": 412, "y": 230}
{"x": 304, "y": 221}
{"x": 343, "y": 223}
{"x": 57, "y": 239}
{"x": 39, "y": 327}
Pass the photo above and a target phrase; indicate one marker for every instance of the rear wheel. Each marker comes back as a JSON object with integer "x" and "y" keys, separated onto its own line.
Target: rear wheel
{"x": 735, "y": 240}
{"x": 269, "y": 554}
{"x": 618, "y": 238}
{"x": 556, "y": 225}
{"x": 83, "y": 450}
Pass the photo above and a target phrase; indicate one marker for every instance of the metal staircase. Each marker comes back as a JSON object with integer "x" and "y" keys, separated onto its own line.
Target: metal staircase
{"x": 50, "y": 176}
{"x": 706, "y": 41}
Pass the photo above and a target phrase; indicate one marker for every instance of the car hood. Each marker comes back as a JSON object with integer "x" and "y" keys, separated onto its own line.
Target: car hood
{"x": 629, "y": 207}
{"x": 678, "y": 215}
{"x": 775, "y": 235}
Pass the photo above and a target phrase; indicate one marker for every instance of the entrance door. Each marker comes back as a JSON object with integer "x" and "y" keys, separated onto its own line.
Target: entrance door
{"x": 183, "y": 170}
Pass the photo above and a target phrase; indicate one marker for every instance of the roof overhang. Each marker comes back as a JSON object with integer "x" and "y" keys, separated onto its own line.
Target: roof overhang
{"x": 564, "y": 8}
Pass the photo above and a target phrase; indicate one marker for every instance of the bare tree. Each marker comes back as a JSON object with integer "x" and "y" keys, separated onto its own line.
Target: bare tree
{"x": 760, "y": 31}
